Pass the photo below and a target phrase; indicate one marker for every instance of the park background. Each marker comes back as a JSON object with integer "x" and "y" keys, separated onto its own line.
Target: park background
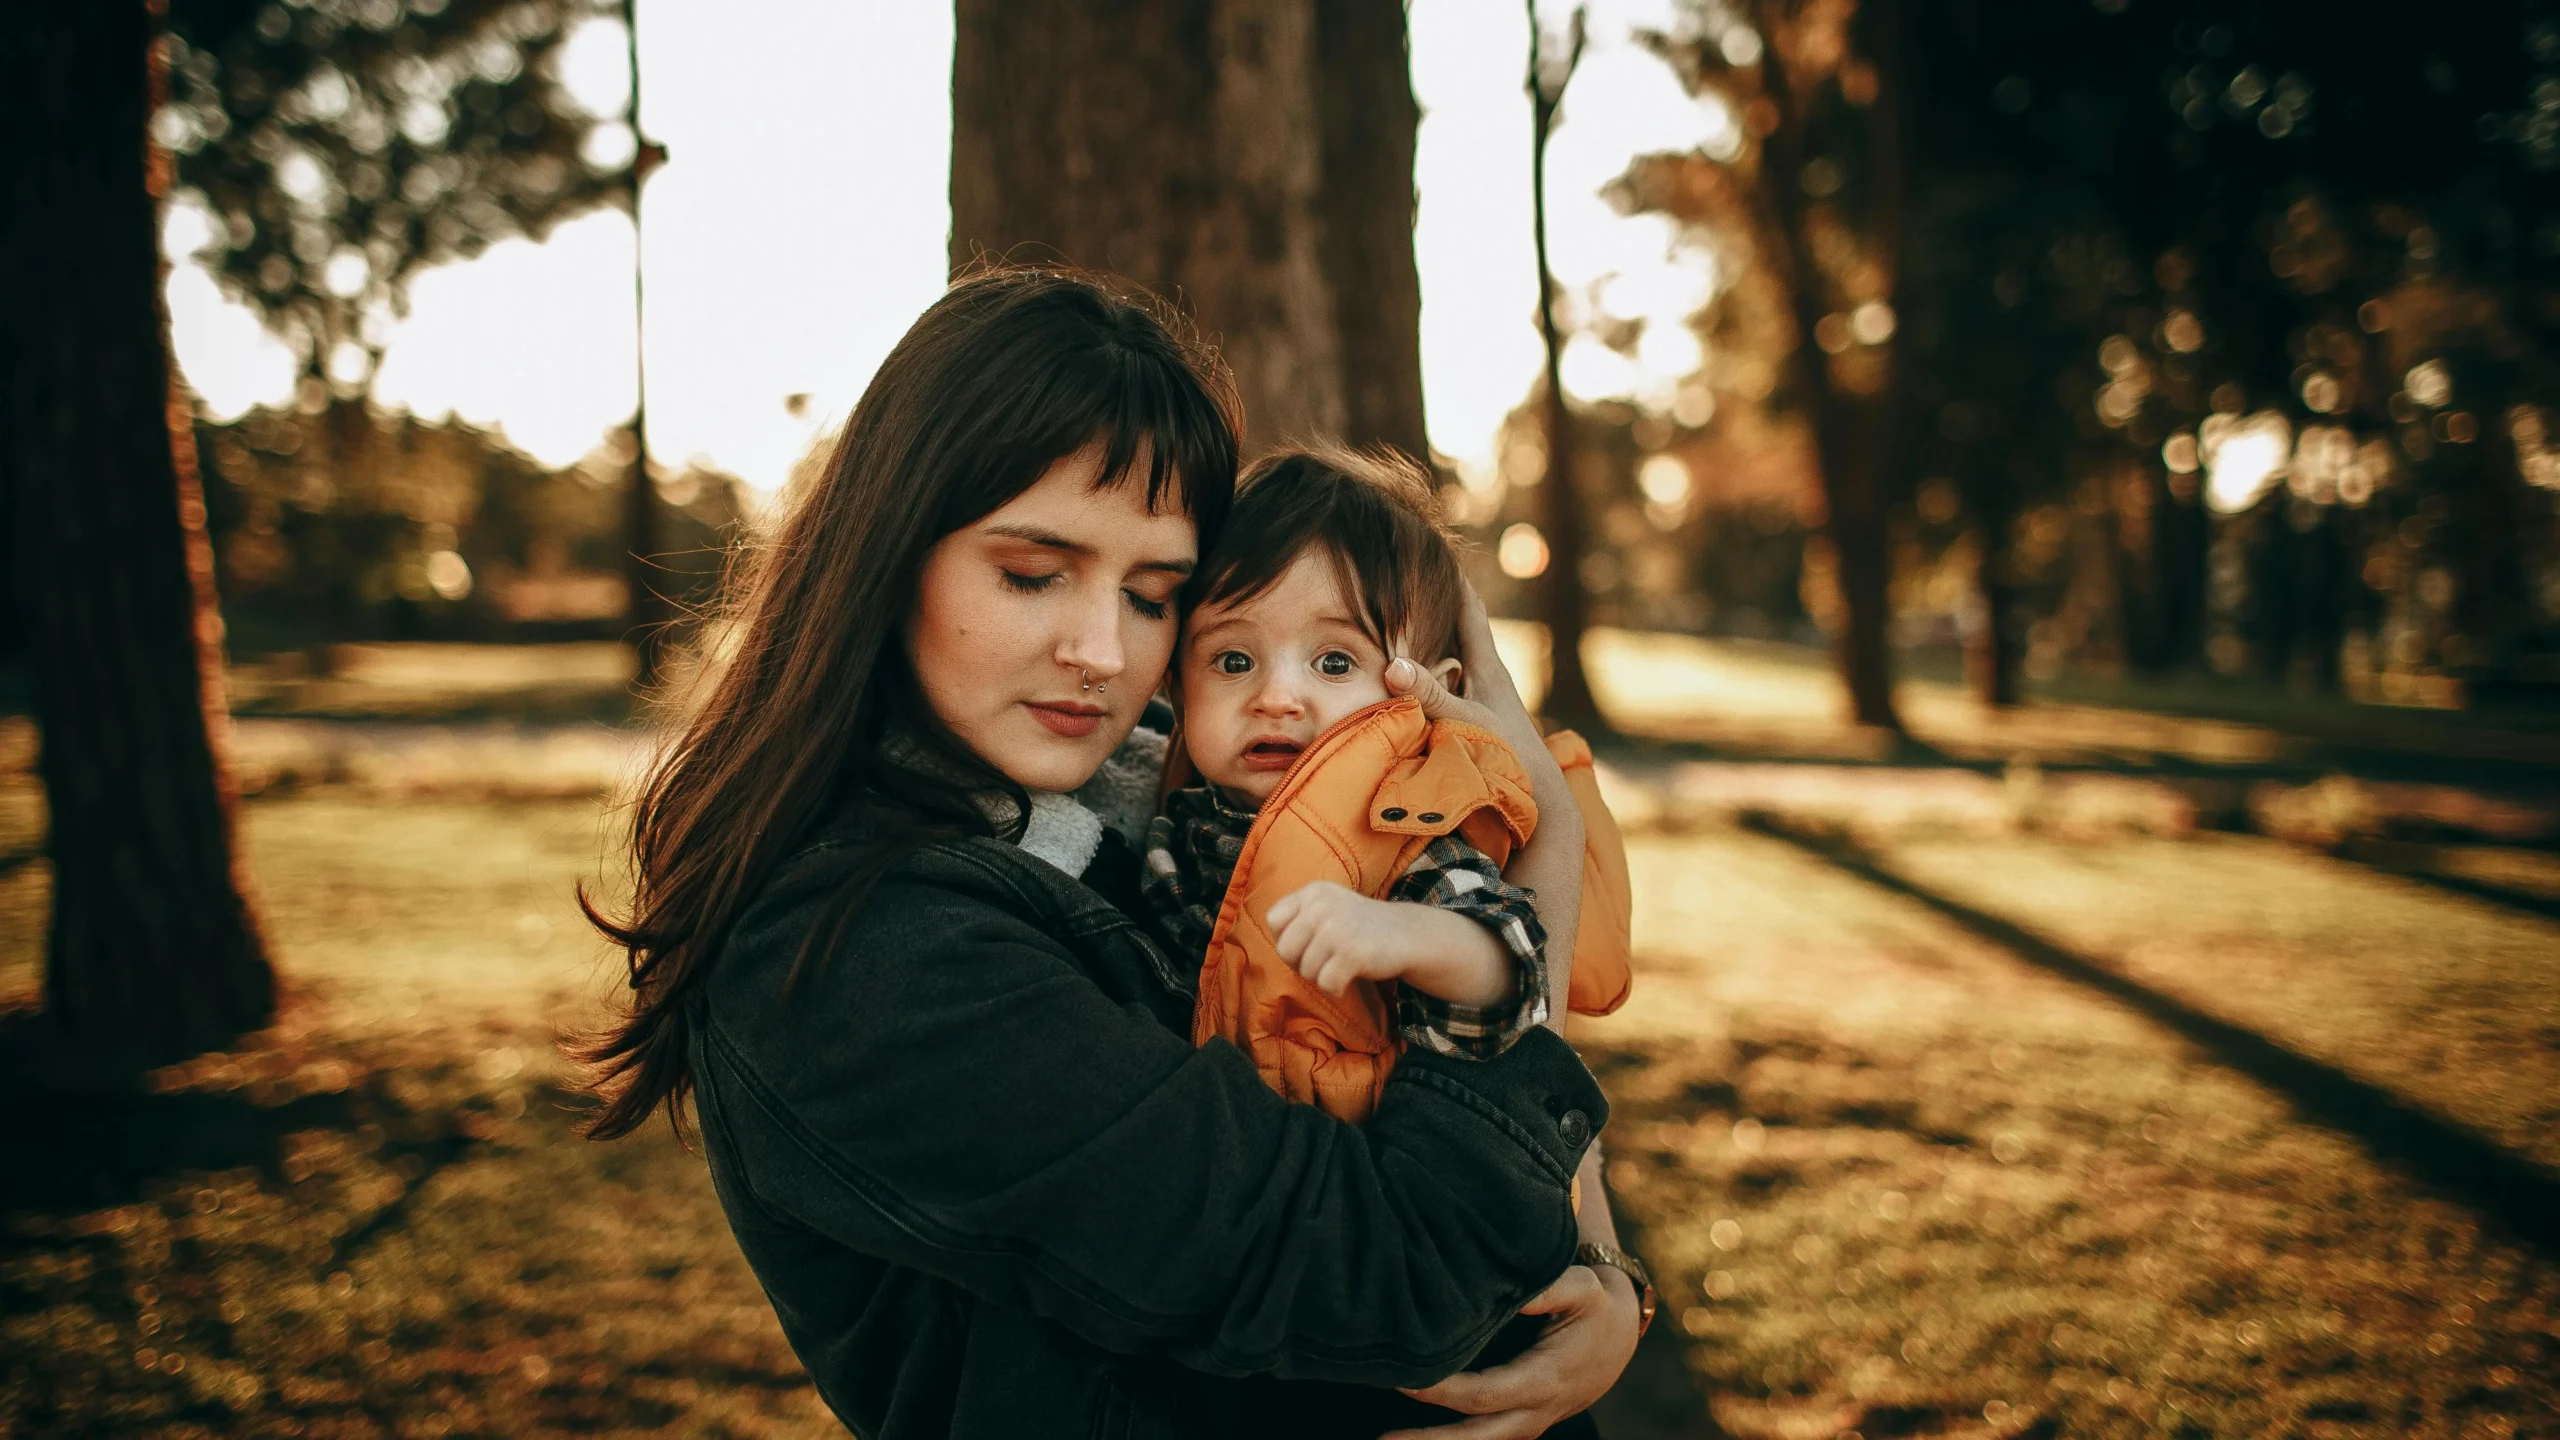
{"x": 2056, "y": 502}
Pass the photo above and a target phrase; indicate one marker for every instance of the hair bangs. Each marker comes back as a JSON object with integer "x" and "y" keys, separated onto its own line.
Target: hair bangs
{"x": 1182, "y": 433}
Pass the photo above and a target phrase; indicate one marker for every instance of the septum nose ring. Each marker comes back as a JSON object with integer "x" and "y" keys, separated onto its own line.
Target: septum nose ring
{"x": 1102, "y": 688}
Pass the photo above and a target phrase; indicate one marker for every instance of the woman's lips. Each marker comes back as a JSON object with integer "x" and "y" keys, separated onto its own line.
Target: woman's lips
{"x": 1272, "y": 754}
{"x": 1067, "y": 718}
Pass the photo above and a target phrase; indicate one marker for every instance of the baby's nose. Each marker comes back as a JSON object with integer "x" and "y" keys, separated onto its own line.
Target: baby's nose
{"x": 1276, "y": 697}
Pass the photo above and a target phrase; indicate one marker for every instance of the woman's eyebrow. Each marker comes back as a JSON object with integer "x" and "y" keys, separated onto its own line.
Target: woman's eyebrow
{"x": 1045, "y": 539}
{"x": 1052, "y": 540}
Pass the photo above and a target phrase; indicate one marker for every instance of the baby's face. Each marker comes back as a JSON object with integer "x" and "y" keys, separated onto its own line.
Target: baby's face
{"x": 1263, "y": 678}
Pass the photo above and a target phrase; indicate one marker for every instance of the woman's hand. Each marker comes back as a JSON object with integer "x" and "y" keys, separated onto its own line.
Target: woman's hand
{"x": 1589, "y": 1340}
{"x": 1492, "y": 700}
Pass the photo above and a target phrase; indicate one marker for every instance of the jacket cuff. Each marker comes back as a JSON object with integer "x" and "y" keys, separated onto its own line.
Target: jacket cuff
{"x": 1537, "y": 1092}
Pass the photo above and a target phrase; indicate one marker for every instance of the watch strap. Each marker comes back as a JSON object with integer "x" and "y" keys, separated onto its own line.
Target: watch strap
{"x": 1593, "y": 1253}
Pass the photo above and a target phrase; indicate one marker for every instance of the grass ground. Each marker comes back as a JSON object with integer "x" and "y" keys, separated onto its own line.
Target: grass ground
{"x": 1901, "y": 1180}
{"x": 1951, "y": 1102}
{"x": 377, "y": 1219}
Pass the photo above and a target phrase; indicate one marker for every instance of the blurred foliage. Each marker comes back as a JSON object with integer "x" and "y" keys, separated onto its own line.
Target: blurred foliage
{"x": 2226, "y": 337}
{"x": 341, "y": 146}
{"x": 350, "y": 523}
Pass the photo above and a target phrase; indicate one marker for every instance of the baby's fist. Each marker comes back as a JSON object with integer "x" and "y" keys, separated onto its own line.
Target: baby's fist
{"x": 1329, "y": 933}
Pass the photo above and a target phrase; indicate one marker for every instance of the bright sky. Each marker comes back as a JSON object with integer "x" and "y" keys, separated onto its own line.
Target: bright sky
{"x": 800, "y": 225}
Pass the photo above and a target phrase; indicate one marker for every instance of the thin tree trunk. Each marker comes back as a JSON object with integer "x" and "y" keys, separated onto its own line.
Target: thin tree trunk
{"x": 1993, "y": 649}
{"x": 1562, "y": 605}
{"x": 1251, "y": 161}
{"x": 153, "y": 949}
{"x": 1847, "y": 433}
{"x": 646, "y": 613}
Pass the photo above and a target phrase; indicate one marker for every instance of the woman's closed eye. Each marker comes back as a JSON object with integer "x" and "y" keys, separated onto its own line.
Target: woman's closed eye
{"x": 1146, "y": 605}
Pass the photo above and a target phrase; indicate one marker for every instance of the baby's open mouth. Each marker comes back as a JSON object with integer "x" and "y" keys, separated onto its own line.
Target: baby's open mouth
{"x": 1271, "y": 754}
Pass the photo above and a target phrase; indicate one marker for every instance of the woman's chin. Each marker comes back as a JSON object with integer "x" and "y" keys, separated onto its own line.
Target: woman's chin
{"x": 1039, "y": 760}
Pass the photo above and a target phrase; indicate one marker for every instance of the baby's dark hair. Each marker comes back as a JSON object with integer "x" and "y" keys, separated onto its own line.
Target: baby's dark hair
{"x": 1373, "y": 514}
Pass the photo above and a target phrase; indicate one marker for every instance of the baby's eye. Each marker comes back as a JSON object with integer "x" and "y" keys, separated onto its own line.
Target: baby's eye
{"x": 1231, "y": 662}
{"x": 1335, "y": 662}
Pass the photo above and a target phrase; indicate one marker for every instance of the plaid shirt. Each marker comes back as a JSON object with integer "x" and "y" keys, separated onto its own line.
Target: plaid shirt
{"x": 1191, "y": 856}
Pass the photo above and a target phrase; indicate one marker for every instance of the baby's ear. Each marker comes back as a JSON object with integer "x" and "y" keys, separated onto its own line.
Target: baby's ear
{"x": 1452, "y": 675}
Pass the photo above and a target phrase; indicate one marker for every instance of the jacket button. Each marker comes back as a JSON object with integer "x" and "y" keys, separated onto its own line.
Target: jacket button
{"x": 1392, "y": 812}
{"x": 1430, "y": 817}
{"x": 1574, "y": 1129}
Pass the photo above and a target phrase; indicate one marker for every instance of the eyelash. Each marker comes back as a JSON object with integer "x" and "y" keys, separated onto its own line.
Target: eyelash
{"x": 1034, "y": 584}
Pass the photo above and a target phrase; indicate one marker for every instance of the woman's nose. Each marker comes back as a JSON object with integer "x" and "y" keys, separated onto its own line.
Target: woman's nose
{"x": 1093, "y": 644}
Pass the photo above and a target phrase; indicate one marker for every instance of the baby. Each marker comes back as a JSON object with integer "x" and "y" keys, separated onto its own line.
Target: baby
{"x": 1326, "y": 571}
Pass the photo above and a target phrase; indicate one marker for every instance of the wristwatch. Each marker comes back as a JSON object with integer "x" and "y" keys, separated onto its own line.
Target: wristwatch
{"x": 1592, "y": 1252}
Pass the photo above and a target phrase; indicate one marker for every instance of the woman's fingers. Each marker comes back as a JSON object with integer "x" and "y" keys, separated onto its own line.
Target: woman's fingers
{"x": 1404, "y": 677}
{"x": 1587, "y": 1342}
{"x": 1516, "y": 1385}
{"x": 1578, "y": 1288}
{"x": 1508, "y": 1425}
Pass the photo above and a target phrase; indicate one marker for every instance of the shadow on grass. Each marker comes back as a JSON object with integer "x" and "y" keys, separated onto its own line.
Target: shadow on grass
{"x": 2408, "y": 861}
{"x": 87, "y": 1142}
{"x": 2441, "y": 1153}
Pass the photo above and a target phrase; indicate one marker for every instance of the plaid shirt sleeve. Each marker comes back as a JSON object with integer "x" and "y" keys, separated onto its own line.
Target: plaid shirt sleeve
{"x": 1452, "y": 875}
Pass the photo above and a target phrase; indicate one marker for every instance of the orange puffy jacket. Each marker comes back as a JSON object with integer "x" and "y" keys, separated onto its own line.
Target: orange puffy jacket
{"x": 1356, "y": 809}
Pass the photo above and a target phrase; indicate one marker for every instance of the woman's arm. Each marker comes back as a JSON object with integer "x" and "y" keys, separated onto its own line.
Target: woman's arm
{"x": 1591, "y": 1334}
{"x": 949, "y": 1092}
{"x": 1550, "y": 865}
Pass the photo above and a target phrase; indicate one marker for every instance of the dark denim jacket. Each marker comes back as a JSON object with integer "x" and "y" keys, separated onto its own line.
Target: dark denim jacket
{"x": 994, "y": 1191}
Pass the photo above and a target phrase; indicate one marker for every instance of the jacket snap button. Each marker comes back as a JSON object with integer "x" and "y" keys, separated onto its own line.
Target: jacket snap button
{"x": 1392, "y": 812}
{"x": 1430, "y": 817}
{"x": 1574, "y": 1129}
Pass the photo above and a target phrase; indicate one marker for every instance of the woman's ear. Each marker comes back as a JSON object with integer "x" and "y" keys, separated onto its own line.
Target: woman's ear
{"x": 1452, "y": 675}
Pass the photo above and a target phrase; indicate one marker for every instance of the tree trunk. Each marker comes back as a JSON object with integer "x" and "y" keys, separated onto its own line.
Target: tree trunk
{"x": 1562, "y": 604}
{"x": 1993, "y": 648}
{"x": 646, "y": 612}
{"x": 1251, "y": 160}
{"x": 153, "y": 950}
{"x": 1850, "y": 432}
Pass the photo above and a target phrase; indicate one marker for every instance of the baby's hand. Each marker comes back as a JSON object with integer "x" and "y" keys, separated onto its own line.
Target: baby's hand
{"x": 1334, "y": 936}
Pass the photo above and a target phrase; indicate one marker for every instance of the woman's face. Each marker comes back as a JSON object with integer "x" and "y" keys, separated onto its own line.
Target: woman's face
{"x": 1062, "y": 585}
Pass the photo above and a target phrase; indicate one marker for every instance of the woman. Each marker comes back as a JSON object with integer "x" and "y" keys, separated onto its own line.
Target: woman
{"x": 944, "y": 1084}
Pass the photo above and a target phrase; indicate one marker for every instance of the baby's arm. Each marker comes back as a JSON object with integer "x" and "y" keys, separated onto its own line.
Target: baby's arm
{"x": 1467, "y": 944}
{"x": 1334, "y": 936}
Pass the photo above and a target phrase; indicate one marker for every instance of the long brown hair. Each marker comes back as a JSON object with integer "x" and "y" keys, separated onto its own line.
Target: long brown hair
{"x": 1010, "y": 371}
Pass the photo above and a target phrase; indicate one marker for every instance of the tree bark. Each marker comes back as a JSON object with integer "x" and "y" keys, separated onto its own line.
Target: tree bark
{"x": 1850, "y": 432}
{"x": 1251, "y": 160}
{"x": 153, "y": 950}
